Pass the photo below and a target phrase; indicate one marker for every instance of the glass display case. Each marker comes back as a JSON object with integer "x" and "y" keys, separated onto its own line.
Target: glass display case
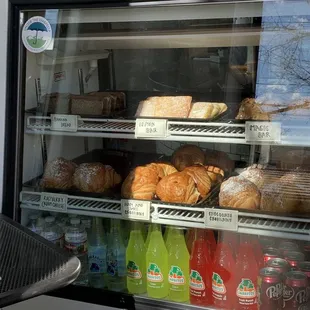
{"x": 166, "y": 144}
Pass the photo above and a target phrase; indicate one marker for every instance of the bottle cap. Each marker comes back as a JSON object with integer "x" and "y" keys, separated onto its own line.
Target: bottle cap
{"x": 75, "y": 221}
{"x": 49, "y": 219}
{"x": 33, "y": 216}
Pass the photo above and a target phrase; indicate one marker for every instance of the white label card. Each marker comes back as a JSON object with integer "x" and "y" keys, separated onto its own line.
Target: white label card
{"x": 136, "y": 209}
{"x": 222, "y": 219}
{"x": 263, "y": 132}
{"x": 53, "y": 202}
{"x": 151, "y": 128}
{"x": 63, "y": 122}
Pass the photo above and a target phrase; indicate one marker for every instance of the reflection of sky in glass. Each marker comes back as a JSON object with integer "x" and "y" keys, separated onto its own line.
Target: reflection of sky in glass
{"x": 283, "y": 71}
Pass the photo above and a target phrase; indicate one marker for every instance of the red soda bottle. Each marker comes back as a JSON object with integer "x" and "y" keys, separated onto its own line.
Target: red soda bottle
{"x": 200, "y": 271}
{"x": 232, "y": 239}
{"x": 211, "y": 242}
{"x": 258, "y": 251}
{"x": 223, "y": 283}
{"x": 246, "y": 278}
{"x": 189, "y": 239}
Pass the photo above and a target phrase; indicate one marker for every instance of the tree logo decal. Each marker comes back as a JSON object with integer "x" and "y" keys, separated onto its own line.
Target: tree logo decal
{"x": 195, "y": 281}
{"x": 176, "y": 276}
{"x": 154, "y": 273}
{"x": 246, "y": 289}
{"x": 133, "y": 270}
{"x": 218, "y": 284}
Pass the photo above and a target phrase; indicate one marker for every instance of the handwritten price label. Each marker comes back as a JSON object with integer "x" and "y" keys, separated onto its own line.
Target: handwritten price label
{"x": 136, "y": 209}
{"x": 222, "y": 219}
{"x": 149, "y": 128}
{"x": 53, "y": 202}
{"x": 62, "y": 122}
{"x": 263, "y": 132}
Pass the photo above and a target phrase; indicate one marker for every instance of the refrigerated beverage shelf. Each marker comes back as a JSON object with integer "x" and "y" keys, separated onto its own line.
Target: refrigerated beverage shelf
{"x": 177, "y": 215}
{"x": 223, "y": 132}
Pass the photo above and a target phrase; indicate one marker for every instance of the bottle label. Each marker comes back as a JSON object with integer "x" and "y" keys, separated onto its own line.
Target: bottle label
{"x": 76, "y": 243}
{"x": 176, "y": 276}
{"x": 196, "y": 283}
{"x": 97, "y": 261}
{"x": 133, "y": 270}
{"x": 154, "y": 273}
{"x": 218, "y": 287}
{"x": 246, "y": 292}
{"x": 116, "y": 265}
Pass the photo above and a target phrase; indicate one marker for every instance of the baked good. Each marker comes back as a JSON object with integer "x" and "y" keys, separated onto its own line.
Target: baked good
{"x": 178, "y": 187}
{"x": 238, "y": 192}
{"x": 90, "y": 105}
{"x": 118, "y": 99}
{"x": 207, "y": 109}
{"x": 58, "y": 173}
{"x": 141, "y": 183}
{"x": 187, "y": 155}
{"x": 255, "y": 175}
{"x": 219, "y": 159}
{"x": 165, "y": 106}
{"x": 216, "y": 174}
{"x": 201, "y": 178}
{"x": 56, "y": 103}
{"x": 95, "y": 177}
{"x": 163, "y": 169}
{"x": 251, "y": 110}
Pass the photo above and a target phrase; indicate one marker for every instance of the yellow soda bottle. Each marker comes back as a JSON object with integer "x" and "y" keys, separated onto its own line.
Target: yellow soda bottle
{"x": 172, "y": 231}
{"x": 157, "y": 265}
{"x": 178, "y": 274}
{"x": 135, "y": 261}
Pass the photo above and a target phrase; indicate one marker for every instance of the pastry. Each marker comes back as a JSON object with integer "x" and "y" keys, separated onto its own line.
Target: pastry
{"x": 118, "y": 99}
{"x": 145, "y": 109}
{"x": 90, "y": 105}
{"x": 58, "y": 174}
{"x": 251, "y": 110}
{"x": 95, "y": 177}
{"x": 187, "y": 155}
{"x": 255, "y": 175}
{"x": 238, "y": 192}
{"x": 163, "y": 169}
{"x": 216, "y": 174}
{"x": 56, "y": 103}
{"x": 141, "y": 183}
{"x": 178, "y": 187}
{"x": 219, "y": 159}
{"x": 207, "y": 109}
{"x": 201, "y": 178}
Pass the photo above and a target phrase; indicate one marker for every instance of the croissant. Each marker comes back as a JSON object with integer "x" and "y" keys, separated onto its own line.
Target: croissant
{"x": 186, "y": 156}
{"x": 162, "y": 169}
{"x": 140, "y": 183}
{"x": 238, "y": 192}
{"x": 216, "y": 174}
{"x": 178, "y": 187}
{"x": 201, "y": 178}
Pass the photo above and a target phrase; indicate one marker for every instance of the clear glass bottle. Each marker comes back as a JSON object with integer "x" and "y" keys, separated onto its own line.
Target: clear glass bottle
{"x": 52, "y": 232}
{"x": 34, "y": 224}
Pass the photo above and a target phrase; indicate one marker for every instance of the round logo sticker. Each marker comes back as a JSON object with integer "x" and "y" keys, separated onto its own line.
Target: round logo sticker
{"x": 37, "y": 34}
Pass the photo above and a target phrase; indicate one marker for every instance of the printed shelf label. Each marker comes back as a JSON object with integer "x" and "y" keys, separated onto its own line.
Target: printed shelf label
{"x": 263, "y": 132}
{"x": 53, "y": 202}
{"x": 136, "y": 209}
{"x": 222, "y": 219}
{"x": 151, "y": 128}
{"x": 63, "y": 122}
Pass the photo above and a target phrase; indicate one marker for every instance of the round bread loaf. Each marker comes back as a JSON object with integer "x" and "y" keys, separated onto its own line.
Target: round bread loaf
{"x": 58, "y": 174}
{"x": 238, "y": 192}
{"x": 141, "y": 183}
{"x": 95, "y": 177}
{"x": 178, "y": 187}
{"x": 254, "y": 175}
{"x": 186, "y": 156}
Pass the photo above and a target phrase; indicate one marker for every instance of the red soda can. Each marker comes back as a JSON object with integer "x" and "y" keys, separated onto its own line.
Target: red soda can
{"x": 270, "y": 253}
{"x": 294, "y": 258}
{"x": 295, "y": 290}
{"x": 280, "y": 264}
{"x": 270, "y": 289}
{"x": 286, "y": 246}
{"x": 267, "y": 242}
{"x": 305, "y": 268}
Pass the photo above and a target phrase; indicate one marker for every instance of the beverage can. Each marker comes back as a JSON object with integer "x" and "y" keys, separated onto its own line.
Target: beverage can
{"x": 305, "y": 268}
{"x": 267, "y": 242}
{"x": 280, "y": 264}
{"x": 306, "y": 250}
{"x": 286, "y": 246}
{"x": 270, "y": 289}
{"x": 293, "y": 258}
{"x": 295, "y": 290}
{"x": 270, "y": 253}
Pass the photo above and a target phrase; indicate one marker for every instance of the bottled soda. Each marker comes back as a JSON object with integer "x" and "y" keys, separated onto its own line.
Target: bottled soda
{"x": 246, "y": 278}
{"x": 189, "y": 238}
{"x": 148, "y": 238}
{"x": 76, "y": 243}
{"x": 223, "y": 282}
{"x": 211, "y": 242}
{"x": 52, "y": 232}
{"x": 200, "y": 271}
{"x": 34, "y": 224}
{"x": 171, "y": 233}
{"x": 178, "y": 276}
{"x": 135, "y": 261}
{"x": 116, "y": 258}
{"x": 157, "y": 265}
{"x": 97, "y": 254}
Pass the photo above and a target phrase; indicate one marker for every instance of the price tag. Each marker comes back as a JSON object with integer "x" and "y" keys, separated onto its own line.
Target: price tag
{"x": 53, "y": 202}
{"x": 63, "y": 122}
{"x": 136, "y": 209}
{"x": 151, "y": 128}
{"x": 222, "y": 219}
{"x": 263, "y": 132}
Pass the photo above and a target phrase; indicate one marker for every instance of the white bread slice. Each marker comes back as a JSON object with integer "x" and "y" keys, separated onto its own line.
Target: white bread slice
{"x": 146, "y": 108}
